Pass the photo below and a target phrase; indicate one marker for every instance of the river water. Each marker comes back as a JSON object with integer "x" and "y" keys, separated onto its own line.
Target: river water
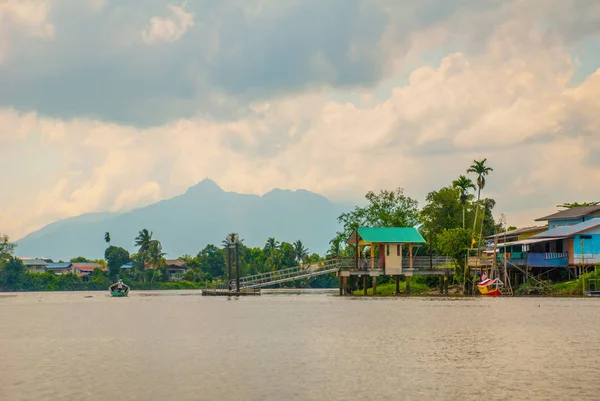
{"x": 285, "y": 346}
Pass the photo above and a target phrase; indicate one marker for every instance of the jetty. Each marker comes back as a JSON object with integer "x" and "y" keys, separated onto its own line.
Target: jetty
{"x": 394, "y": 245}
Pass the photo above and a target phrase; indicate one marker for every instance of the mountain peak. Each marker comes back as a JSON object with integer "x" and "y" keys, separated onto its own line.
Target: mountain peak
{"x": 205, "y": 186}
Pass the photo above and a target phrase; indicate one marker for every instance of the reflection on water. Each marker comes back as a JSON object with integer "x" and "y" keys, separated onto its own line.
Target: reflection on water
{"x": 165, "y": 346}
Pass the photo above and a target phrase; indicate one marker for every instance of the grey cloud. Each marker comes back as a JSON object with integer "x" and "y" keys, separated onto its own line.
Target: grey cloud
{"x": 237, "y": 52}
{"x": 97, "y": 67}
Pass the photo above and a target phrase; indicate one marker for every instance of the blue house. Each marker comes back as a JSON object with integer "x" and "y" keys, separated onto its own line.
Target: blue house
{"x": 572, "y": 240}
{"x": 571, "y": 216}
{"x": 579, "y": 242}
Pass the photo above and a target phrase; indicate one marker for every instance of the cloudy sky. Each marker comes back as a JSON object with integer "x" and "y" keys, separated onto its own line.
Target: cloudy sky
{"x": 106, "y": 105}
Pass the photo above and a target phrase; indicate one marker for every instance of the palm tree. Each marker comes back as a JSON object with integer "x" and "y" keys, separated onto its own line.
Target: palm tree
{"x": 156, "y": 254}
{"x": 479, "y": 168}
{"x": 271, "y": 245}
{"x": 464, "y": 184}
{"x": 300, "y": 251}
{"x": 107, "y": 238}
{"x": 143, "y": 240}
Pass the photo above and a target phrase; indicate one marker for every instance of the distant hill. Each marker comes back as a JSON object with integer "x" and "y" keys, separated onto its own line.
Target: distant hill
{"x": 185, "y": 224}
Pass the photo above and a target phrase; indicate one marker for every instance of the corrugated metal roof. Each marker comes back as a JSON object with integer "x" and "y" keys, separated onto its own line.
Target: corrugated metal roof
{"x": 34, "y": 262}
{"x": 527, "y": 241}
{"x": 175, "y": 262}
{"x": 58, "y": 265}
{"x": 517, "y": 231}
{"x": 573, "y": 213}
{"x": 567, "y": 231}
{"x": 388, "y": 235}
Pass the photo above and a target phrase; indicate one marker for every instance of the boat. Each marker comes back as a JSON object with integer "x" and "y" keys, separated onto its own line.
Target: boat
{"x": 115, "y": 291}
{"x": 490, "y": 287}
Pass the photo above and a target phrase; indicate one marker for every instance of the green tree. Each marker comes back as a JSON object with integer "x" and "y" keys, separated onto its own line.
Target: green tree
{"x": 156, "y": 254}
{"x": 386, "y": 209}
{"x": 300, "y": 252}
{"x": 12, "y": 274}
{"x": 481, "y": 170}
{"x": 271, "y": 245}
{"x": 7, "y": 248}
{"x": 79, "y": 259}
{"x": 107, "y": 238}
{"x": 212, "y": 261}
{"x": 143, "y": 240}
{"x": 442, "y": 212}
{"x": 115, "y": 257}
{"x": 455, "y": 243}
{"x": 288, "y": 255}
{"x": 464, "y": 184}
{"x": 577, "y": 204}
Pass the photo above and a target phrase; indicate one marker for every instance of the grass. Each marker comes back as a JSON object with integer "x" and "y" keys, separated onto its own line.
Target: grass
{"x": 388, "y": 289}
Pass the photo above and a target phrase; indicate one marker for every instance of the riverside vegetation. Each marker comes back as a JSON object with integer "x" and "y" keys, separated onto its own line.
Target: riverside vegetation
{"x": 450, "y": 220}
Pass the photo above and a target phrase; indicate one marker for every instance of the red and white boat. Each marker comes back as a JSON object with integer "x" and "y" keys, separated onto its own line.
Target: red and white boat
{"x": 491, "y": 287}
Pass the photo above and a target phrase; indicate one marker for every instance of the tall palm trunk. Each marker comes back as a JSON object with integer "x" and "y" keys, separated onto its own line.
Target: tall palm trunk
{"x": 464, "y": 207}
{"x": 476, "y": 210}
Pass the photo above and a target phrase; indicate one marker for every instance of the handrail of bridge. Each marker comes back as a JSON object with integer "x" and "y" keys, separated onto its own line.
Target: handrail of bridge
{"x": 325, "y": 267}
{"x": 289, "y": 274}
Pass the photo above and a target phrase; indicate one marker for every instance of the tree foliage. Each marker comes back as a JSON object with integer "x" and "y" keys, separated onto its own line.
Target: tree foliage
{"x": 455, "y": 243}
{"x": 7, "y": 248}
{"x": 577, "y": 204}
{"x": 385, "y": 209}
{"x": 115, "y": 257}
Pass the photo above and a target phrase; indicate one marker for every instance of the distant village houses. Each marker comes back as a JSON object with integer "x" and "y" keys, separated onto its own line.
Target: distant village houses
{"x": 570, "y": 240}
{"x": 175, "y": 268}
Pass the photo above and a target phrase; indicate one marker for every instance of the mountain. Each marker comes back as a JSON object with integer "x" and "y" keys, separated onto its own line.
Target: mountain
{"x": 185, "y": 224}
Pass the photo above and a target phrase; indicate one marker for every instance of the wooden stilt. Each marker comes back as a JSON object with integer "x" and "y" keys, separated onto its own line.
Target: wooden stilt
{"x": 408, "y": 284}
{"x": 341, "y": 279}
{"x": 441, "y": 284}
{"x": 397, "y": 284}
{"x": 365, "y": 284}
{"x": 374, "y": 285}
{"x": 410, "y": 256}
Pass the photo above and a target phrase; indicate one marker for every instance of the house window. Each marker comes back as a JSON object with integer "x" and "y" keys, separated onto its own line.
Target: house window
{"x": 398, "y": 250}
{"x": 387, "y": 250}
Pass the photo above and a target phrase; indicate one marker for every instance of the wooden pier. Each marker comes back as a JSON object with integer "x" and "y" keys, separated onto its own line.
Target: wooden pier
{"x": 217, "y": 292}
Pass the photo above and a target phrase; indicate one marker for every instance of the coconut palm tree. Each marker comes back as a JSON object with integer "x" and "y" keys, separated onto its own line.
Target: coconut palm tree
{"x": 143, "y": 240}
{"x": 271, "y": 245}
{"x": 300, "y": 252}
{"x": 479, "y": 168}
{"x": 464, "y": 184}
{"x": 156, "y": 254}
{"x": 107, "y": 238}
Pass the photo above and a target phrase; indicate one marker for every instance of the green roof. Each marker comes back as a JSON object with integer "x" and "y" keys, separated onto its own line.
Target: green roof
{"x": 387, "y": 235}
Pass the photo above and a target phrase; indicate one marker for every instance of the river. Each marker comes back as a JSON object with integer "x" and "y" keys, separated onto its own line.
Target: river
{"x": 286, "y": 346}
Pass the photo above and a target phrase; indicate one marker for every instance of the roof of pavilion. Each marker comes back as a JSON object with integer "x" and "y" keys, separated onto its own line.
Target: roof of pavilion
{"x": 386, "y": 235}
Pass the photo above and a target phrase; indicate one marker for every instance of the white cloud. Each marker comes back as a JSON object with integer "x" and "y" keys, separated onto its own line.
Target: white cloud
{"x": 168, "y": 29}
{"x": 509, "y": 101}
{"x": 29, "y": 15}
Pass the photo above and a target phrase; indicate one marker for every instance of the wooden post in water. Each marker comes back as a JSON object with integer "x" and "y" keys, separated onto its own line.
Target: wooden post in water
{"x": 365, "y": 284}
{"x": 237, "y": 265}
{"x": 397, "y": 284}
{"x": 408, "y": 284}
{"x": 229, "y": 266}
{"x": 374, "y": 285}
{"x": 446, "y": 284}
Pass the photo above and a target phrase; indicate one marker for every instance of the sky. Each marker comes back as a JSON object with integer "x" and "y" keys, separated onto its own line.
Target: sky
{"x": 107, "y": 105}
